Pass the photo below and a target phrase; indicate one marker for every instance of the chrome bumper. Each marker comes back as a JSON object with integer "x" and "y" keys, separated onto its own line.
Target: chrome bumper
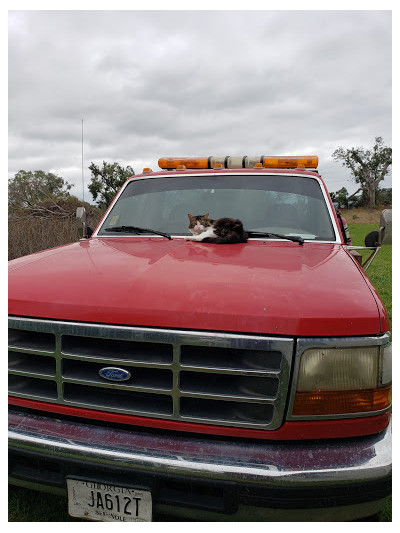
{"x": 301, "y": 464}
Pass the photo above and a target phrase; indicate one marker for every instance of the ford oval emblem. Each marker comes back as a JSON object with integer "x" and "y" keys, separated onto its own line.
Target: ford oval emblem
{"x": 113, "y": 373}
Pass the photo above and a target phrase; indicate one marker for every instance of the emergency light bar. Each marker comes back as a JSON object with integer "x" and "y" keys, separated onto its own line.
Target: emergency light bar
{"x": 172, "y": 163}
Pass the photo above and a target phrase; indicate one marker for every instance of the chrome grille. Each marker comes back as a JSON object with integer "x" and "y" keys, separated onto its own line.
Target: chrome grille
{"x": 213, "y": 378}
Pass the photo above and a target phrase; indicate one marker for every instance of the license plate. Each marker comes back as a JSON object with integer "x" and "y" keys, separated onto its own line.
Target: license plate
{"x": 103, "y": 502}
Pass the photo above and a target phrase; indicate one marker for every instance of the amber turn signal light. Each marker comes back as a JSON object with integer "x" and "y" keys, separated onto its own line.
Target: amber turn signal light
{"x": 341, "y": 402}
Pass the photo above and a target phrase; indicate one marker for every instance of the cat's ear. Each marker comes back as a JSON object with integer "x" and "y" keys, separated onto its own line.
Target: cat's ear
{"x": 207, "y": 215}
{"x": 191, "y": 217}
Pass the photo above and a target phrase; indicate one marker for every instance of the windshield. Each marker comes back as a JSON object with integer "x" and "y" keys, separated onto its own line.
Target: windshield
{"x": 290, "y": 205}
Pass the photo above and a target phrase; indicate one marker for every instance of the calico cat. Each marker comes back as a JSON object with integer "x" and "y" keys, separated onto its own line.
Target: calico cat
{"x": 221, "y": 231}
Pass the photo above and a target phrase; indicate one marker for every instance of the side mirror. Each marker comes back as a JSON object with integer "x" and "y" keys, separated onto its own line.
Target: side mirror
{"x": 375, "y": 239}
{"x": 384, "y": 235}
{"x": 84, "y": 231}
{"x": 372, "y": 239}
{"x": 385, "y": 227}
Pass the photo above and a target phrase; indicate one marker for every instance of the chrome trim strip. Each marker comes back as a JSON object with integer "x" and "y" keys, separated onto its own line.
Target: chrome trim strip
{"x": 293, "y": 464}
{"x": 331, "y": 342}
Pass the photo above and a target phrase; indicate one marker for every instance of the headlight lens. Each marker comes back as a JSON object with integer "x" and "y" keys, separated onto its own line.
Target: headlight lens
{"x": 339, "y": 369}
{"x": 343, "y": 380}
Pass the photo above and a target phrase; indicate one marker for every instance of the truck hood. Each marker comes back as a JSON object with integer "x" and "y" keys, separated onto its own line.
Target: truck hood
{"x": 271, "y": 287}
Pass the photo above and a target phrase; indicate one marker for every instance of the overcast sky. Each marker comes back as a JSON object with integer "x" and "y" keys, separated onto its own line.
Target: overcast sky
{"x": 150, "y": 84}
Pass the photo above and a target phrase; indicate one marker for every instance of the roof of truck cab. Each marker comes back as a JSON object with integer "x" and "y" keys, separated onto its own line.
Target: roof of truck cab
{"x": 267, "y": 171}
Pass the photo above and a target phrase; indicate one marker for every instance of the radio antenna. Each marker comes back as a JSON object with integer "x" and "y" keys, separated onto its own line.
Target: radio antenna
{"x": 83, "y": 185}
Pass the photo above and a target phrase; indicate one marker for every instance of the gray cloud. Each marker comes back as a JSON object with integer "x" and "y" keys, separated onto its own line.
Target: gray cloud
{"x": 174, "y": 83}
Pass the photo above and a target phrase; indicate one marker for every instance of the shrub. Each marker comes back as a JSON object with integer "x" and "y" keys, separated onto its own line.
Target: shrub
{"x": 27, "y": 235}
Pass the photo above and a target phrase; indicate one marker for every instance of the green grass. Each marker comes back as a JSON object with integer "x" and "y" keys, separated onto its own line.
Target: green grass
{"x": 386, "y": 514}
{"x": 31, "y": 506}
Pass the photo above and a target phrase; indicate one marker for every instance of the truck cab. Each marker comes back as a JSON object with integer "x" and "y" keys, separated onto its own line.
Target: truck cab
{"x": 247, "y": 381}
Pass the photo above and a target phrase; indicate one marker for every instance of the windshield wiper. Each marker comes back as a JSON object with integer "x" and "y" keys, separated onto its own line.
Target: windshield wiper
{"x": 293, "y": 238}
{"x": 136, "y": 229}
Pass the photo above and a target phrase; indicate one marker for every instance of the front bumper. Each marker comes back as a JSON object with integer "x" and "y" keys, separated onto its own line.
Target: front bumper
{"x": 208, "y": 478}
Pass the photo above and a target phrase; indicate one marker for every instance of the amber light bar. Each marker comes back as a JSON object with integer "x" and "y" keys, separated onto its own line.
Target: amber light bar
{"x": 290, "y": 162}
{"x": 172, "y": 163}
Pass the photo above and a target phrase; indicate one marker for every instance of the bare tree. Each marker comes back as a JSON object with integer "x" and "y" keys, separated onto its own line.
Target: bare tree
{"x": 368, "y": 167}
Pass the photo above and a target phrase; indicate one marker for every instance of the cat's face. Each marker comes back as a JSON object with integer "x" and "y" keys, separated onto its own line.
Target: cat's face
{"x": 198, "y": 223}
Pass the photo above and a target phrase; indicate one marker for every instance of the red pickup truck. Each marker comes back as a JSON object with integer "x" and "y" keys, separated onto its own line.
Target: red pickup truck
{"x": 252, "y": 381}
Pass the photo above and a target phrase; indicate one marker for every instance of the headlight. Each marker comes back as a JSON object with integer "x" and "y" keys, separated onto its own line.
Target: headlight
{"x": 343, "y": 380}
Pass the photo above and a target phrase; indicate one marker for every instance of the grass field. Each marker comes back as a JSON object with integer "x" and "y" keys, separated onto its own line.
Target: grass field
{"x": 30, "y": 506}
